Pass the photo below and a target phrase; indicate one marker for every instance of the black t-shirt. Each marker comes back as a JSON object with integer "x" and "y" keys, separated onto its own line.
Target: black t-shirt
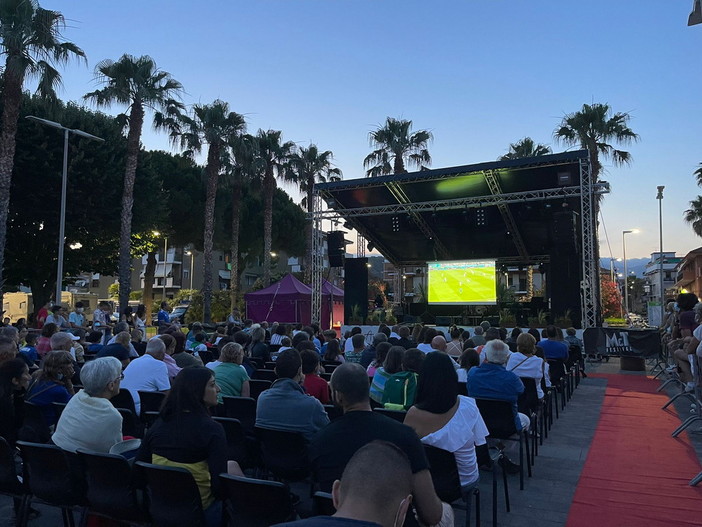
{"x": 336, "y": 443}
{"x": 321, "y": 521}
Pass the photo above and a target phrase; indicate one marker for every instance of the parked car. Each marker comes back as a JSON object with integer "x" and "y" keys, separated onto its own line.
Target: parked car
{"x": 178, "y": 314}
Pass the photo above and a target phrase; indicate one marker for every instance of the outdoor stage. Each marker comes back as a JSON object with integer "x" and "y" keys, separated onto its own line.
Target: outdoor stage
{"x": 536, "y": 212}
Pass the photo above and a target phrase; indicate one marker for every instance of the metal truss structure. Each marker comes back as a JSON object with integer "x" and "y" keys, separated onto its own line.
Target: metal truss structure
{"x": 586, "y": 191}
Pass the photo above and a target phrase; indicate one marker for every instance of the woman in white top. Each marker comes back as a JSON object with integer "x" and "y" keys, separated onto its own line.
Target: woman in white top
{"x": 446, "y": 420}
{"x": 469, "y": 358}
{"x": 140, "y": 320}
{"x": 524, "y": 363}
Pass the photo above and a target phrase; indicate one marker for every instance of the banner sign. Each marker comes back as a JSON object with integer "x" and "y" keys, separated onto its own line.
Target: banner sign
{"x": 622, "y": 341}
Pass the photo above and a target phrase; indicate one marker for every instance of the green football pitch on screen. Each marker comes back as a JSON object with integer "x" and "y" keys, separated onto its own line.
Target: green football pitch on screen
{"x": 462, "y": 282}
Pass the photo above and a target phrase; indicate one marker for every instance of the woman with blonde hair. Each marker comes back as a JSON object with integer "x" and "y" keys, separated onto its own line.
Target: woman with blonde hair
{"x": 231, "y": 376}
{"x": 52, "y": 384}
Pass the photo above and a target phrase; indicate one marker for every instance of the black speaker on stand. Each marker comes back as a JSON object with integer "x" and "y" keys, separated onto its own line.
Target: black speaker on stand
{"x": 336, "y": 248}
{"x": 356, "y": 289}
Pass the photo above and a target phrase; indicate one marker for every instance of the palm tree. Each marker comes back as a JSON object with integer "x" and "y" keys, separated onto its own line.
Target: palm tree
{"x": 396, "y": 146}
{"x": 138, "y": 84}
{"x": 30, "y": 39}
{"x": 243, "y": 170}
{"x": 214, "y": 125}
{"x": 311, "y": 166}
{"x": 693, "y": 215}
{"x": 525, "y": 148}
{"x": 593, "y": 128}
{"x": 273, "y": 157}
{"x": 698, "y": 175}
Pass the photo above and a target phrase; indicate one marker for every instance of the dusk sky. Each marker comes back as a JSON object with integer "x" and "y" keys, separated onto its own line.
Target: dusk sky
{"x": 480, "y": 74}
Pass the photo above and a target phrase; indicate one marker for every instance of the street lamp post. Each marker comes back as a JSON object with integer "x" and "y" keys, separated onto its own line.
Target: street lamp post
{"x": 192, "y": 261}
{"x": 64, "y": 185}
{"x": 659, "y": 197}
{"x": 165, "y": 268}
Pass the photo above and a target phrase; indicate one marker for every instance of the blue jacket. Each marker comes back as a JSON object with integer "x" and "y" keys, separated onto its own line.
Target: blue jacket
{"x": 493, "y": 381}
{"x": 285, "y": 406}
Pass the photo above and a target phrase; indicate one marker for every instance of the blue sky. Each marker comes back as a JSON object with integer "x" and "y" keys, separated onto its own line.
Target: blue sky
{"x": 479, "y": 74}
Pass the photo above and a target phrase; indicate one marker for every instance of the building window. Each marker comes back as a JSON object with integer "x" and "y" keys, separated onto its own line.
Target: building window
{"x": 668, "y": 275}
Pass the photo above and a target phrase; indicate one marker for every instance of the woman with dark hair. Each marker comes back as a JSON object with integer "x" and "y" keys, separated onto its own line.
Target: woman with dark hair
{"x": 381, "y": 351}
{"x": 128, "y": 316}
{"x": 140, "y": 320}
{"x": 334, "y": 352}
{"x": 14, "y": 379}
{"x": 259, "y": 348}
{"x": 185, "y": 436}
{"x": 469, "y": 358}
{"x": 52, "y": 384}
{"x": 44, "y": 342}
{"x": 535, "y": 333}
{"x": 391, "y": 365}
{"x": 446, "y": 420}
{"x": 400, "y": 389}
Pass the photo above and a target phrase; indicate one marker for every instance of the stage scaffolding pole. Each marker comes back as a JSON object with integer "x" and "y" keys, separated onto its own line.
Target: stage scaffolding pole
{"x": 589, "y": 286}
{"x": 317, "y": 257}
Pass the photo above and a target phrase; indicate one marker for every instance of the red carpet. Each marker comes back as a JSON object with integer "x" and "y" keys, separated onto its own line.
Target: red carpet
{"x": 636, "y": 474}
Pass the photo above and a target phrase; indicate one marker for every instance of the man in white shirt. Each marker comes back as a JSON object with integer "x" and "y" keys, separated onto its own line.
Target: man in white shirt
{"x": 148, "y": 373}
{"x": 89, "y": 421}
{"x": 348, "y": 344}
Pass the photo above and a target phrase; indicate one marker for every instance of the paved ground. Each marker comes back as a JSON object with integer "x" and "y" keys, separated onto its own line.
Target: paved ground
{"x": 547, "y": 495}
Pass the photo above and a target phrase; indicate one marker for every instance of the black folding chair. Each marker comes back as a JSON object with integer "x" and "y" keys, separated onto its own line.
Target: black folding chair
{"x": 124, "y": 399}
{"x": 447, "y": 483}
{"x": 54, "y": 479}
{"x": 243, "y": 409}
{"x": 559, "y": 381}
{"x": 529, "y": 404}
{"x": 34, "y": 426}
{"x": 237, "y": 444}
{"x": 270, "y": 365}
{"x": 258, "y": 386}
{"x": 58, "y": 408}
{"x": 323, "y": 504}
{"x": 499, "y": 418}
{"x": 397, "y": 415}
{"x": 111, "y": 489}
{"x": 333, "y": 411}
{"x": 284, "y": 454}
{"x": 174, "y": 498}
{"x": 150, "y": 402}
{"x": 130, "y": 424}
{"x": 255, "y": 502}
{"x": 265, "y": 375}
{"x": 11, "y": 484}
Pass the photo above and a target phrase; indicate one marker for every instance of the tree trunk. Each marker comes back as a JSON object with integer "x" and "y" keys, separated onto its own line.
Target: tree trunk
{"x": 399, "y": 164}
{"x": 212, "y": 171}
{"x": 147, "y": 297}
{"x": 136, "y": 121}
{"x": 309, "y": 227}
{"x": 268, "y": 190}
{"x": 12, "y": 97}
{"x": 236, "y": 218}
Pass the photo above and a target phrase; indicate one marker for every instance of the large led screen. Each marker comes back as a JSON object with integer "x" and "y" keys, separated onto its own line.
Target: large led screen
{"x": 462, "y": 282}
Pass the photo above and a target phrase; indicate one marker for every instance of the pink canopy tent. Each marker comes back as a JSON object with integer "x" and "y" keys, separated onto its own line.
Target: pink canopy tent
{"x": 289, "y": 301}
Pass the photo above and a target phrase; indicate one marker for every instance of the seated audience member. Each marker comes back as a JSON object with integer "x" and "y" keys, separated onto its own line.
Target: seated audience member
{"x": 148, "y": 373}
{"x": 425, "y": 345}
{"x": 183, "y": 358}
{"x": 230, "y": 375}
{"x": 52, "y": 384}
{"x": 63, "y": 341}
{"x": 391, "y": 365}
{"x": 243, "y": 339}
{"x": 381, "y": 351}
{"x": 374, "y": 490}
{"x": 512, "y": 340}
{"x": 314, "y": 384}
{"x": 491, "y": 380}
{"x": 401, "y": 387}
{"x": 116, "y": 350}
{"x": 219, "y": 334}
{"x": 122, "y": 336}
{"x": 285, "y": 405}
{"x": 687, "y": 325}
{"x": 14, "y": 379}
{"x": 369, "y": 353}
{"x": 538, "y": 352}
{"x": 277, "y": 336}
{"x": 57, "y": 318}
{"x": 285, "y": 344}
{"x": 404, "y": 339}
{"x": 394, "y": 335}
{"x": 259, "y": 348}
{"x": 138, "y": 342}
{"x": 523, "y": 363}
{"x": 554, "y": 348}
{"x": 29, "y": 350}
{"x": 335, "y": 445}
{"x": 446, "y": 420}
{"x": 89, "y": 421}
{"x": 348, "y": 343}
{"x": 199, "y": 345}
{"x": 168, "y": 360}
{"x": 358, "y": 344}
{"x": 184, "y": 435}
{"x": 478, "y": 339}
{"x": 455, "y": 347}
{"x": 94, "y": 340}
{"x": 490, "y": 334}
{"x": 333, "y": 352}
{"x": 44, "y": 342}
{"x": 8, "y": 349}
{"x": 469, "y": 359}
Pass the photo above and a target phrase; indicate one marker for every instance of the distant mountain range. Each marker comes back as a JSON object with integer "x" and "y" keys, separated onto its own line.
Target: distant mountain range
{"x": 637, "y": 265}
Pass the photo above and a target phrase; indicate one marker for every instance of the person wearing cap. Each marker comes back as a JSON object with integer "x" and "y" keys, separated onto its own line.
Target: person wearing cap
{"x": 63, "y": 341}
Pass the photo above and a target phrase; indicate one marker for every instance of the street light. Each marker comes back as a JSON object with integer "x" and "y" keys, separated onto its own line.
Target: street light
{"x": 64, "y": 184}
{"x": 192, "y": 261}
{"x": 659, "y": 197}
{"x": 626, "y": 273}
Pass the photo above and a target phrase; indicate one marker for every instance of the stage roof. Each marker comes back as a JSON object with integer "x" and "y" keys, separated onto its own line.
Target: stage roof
{"x": 499, "y": 209}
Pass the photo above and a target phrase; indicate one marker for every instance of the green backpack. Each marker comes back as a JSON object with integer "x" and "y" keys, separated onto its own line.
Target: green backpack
{"x": 400, "y": 390}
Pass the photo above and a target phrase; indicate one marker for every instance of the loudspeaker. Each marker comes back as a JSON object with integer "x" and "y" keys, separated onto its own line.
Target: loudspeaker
{"x": 564, "y": 231}
{"x": 356, "y": 289}
{"x": 336, "y": 248}
{"x": 564, "y": 285}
